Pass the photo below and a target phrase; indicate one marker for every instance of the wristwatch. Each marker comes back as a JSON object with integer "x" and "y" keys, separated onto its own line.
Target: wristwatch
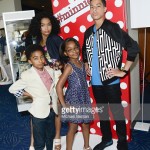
{"x": 125, "y": 71}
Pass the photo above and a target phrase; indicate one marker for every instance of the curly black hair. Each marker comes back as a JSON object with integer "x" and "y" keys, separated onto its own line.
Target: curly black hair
{"x": 35, "y": 25}
{"x": 33, "y": 48}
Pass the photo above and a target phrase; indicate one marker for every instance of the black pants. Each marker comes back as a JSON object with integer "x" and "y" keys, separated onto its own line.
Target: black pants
{"x": 44, "y": 131}
{"x": 109, "y": 96}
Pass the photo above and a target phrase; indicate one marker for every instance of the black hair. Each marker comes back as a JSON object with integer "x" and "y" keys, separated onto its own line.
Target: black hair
{"x": 33, "y": 48}
{"x": 103, "y": 1}
{"x": 35, "y": 25}
{"x": 62, "y": 48}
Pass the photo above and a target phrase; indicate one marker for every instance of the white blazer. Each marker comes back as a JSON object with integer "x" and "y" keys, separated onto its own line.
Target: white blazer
{"x": 31, "y": 82}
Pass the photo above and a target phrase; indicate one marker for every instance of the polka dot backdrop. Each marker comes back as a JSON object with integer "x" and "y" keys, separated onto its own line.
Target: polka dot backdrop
{"x": 75, "y": 18}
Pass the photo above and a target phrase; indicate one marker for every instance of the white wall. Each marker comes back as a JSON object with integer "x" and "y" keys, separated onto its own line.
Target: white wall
{"x": 134, "y": 71}
{"x": 17, "y": 4}
{"x": 140, "y": 13}
{"x": 1, "y": 23}
{"x": 8, "y": 6}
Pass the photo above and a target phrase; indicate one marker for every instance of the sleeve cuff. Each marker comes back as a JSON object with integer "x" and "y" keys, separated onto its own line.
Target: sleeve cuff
{"x": 19, "y": 93}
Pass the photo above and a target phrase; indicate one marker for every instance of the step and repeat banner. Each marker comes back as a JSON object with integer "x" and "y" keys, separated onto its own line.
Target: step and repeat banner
{"x": 74, "y": 17}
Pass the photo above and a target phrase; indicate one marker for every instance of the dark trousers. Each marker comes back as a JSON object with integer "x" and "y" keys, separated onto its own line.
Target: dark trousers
{"x": 110, "y": 94}
{"x": 44, "y": 132}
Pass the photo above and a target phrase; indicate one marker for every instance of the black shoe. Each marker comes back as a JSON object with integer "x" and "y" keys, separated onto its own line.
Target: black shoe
{"x": 122, "y": 146}
{"x": 103, "y": 145}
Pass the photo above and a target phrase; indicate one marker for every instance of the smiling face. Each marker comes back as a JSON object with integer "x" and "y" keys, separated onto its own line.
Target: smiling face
{"x": 97, "y": 10}
{"x": 72, "y": 50}
{"x": 46, "y": 26}
{"x": 37, "y": 60}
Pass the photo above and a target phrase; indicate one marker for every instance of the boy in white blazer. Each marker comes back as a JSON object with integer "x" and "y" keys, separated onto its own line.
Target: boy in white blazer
{"x": 39, "y": 83}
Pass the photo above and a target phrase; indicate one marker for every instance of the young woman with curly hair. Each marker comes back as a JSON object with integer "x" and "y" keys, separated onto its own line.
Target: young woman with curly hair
{"x": 45, "y": 28}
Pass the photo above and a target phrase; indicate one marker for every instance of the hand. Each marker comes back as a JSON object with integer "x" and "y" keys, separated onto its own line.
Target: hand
{"x": 87, "y": 69}
{"x": 65, "y": 105}
{"x": 57, "y": 65}
{"x": 27, "y": 94}
{"x": 111, "y": 72}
